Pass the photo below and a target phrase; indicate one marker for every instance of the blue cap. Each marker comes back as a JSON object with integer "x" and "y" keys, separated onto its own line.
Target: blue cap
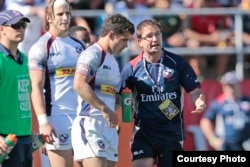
{"x": 11, "y": 17}
{"x": 230, "y": 78}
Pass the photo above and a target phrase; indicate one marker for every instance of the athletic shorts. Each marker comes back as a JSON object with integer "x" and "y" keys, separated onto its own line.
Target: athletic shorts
{"x": 62, "y": 125}
{"x": 92, "y": 137}
{"x": 21, "y": 155}
{"x": 145, "y": 145}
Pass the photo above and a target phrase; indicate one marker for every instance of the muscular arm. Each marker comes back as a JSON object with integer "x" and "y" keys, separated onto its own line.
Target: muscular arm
{"x": 37, "y": 84}
{"x": 81, "y": 86}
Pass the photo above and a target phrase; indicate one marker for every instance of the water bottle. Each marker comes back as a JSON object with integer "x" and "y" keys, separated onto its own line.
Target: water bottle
{"x": 10, "y": 140}
{"x": 127, "y": 112}
{"x": 38, "y": 141}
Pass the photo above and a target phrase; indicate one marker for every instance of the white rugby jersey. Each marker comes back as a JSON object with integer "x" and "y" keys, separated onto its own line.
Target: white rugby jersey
{"x": 104, "y": 72}
{"x": 57, "y": 56}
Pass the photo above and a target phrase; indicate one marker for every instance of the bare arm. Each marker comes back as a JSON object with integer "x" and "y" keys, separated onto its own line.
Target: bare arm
{"x": 208, "y": 131}
{"x": 81, "y": 86}
{"x": 208, "y": 38}
{"x": 37, "y": 83}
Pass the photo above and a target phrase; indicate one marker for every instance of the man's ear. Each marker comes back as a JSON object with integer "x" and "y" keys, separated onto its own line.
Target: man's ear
{"x": 49, "y": 19}
{"x": 111, "y": 35}
{"x": 139, "y": 42}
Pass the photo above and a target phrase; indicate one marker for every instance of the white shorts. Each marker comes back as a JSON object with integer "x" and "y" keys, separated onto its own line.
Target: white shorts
{"x": 62, "y": 125}
{"x": 92, "y": 137}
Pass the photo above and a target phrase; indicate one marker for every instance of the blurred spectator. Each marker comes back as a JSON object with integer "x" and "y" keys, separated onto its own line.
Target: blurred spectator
{"x": 208, "y": 30}
{"x": 92, "y": 24}
{"x": 34, "y": 10}
{"x": 226, "y": 123}
{"x": 245, "y": 5}
{"x": 170, "y": 25}
{"x": 228, "y": 3}
{"x": 2, "y": 5}
{"x": 123, "y": 7}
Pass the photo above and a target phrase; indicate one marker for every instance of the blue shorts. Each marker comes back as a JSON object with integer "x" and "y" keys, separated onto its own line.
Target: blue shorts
{"x": 21, "y": 155}
{"x": 145, "y": 145}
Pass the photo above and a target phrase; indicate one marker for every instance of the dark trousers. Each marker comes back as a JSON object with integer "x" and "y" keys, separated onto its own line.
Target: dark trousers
{"x": 21, "y": 155}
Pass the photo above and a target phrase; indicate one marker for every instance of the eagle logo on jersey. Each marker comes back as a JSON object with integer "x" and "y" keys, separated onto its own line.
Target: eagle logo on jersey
{"x": 168, "y": 73}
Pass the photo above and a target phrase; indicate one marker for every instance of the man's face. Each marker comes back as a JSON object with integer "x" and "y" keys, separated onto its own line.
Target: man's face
{"x": 14, "y": 32}
{"x": 119, "y": 42}
{"x": 232, "y": 89}
{"x": 61, "y": 19}
{"x": 151, "y": 39}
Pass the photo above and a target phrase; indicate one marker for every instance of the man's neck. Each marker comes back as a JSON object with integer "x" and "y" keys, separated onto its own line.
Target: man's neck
{"x": 11, "y": 46}
{"x": 152, "y": 58}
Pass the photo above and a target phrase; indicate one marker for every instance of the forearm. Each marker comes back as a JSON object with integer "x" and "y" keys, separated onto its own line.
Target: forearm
{"x": 38, "y": 102}
{"x": 195, "y": 94}
{"x": 37, "y": 97}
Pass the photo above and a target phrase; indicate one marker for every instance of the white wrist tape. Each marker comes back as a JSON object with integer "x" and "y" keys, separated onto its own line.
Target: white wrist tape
{"x": 42, "y": 119}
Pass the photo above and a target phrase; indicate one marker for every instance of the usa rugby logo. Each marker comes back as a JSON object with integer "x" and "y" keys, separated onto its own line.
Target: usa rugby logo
{"x": 168, "y": 73}
{"x": 63, "y": 138}
{"x": 101, "y": 144}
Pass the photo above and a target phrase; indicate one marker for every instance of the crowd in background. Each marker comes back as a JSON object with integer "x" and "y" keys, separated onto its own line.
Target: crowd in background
{"x": 178, "y": 30}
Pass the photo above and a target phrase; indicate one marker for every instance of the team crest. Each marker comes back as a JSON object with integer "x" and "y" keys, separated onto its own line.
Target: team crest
{"x": 79, "y": 49}
{"x": 63, "y": 138}
{"x": 101, "y": 144}
{"x": 168, "y": 73}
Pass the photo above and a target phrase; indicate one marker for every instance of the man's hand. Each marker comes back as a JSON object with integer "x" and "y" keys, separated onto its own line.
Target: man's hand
{"x": 199, "y": 104}
{"x": 48, "y": 131}
{"x": 110, "y": 116}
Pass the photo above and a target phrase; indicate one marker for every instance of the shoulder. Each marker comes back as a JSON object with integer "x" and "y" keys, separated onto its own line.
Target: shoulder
{"x": 93, "y": 54}
{"x": 135, "y": 61}
{"x": 173, "y": 57}
{"x": 43, "y": 44}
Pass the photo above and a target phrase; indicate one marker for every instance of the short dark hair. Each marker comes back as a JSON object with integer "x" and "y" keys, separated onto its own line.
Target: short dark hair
{"x": 74, "y": 29}
{"x": 118, "y": 24}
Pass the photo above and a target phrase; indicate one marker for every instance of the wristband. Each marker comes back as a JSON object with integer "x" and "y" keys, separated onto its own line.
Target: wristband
{"x": 212, "y": 141}
{"x": 42, "y": 119}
